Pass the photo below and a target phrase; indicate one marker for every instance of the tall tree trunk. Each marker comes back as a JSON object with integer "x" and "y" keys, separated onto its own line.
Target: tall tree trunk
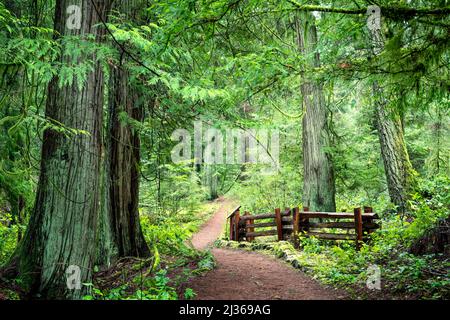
{"x": 397, "y": 166}
{"x": 318, "y": 174}
{"x": 210, "y": 178}
{"x": 62, "y": 227}
{"x": 123, "y": 168}
{"x": 399, "y": 172}
{"x": 121, "y": 223}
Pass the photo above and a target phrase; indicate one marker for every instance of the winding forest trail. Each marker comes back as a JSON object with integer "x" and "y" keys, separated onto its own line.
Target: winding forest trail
{"x": 249, "y": 275}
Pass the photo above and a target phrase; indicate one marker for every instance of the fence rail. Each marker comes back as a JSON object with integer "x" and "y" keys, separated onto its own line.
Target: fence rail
{"x": 293, "y": 223}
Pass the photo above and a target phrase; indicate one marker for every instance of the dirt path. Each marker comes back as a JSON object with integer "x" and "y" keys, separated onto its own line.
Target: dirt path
{"x": 212, "y": 229}
{"x": 250, "y": 275}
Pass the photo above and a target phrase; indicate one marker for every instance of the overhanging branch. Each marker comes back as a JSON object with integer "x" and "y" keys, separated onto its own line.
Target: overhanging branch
{"x": 392, "y": 11}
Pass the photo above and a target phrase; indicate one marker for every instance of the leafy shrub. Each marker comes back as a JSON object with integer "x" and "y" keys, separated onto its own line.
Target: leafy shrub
{"x": 8, "y": 238}
{"x": 189, "y": 294}
{"x": 150, "y": 288}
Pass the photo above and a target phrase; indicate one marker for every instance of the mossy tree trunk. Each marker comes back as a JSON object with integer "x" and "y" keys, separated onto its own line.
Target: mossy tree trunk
{"x": 62, "y": 227}
{"x": 397, "y": 166}
{"x": 121, "y": 230}
{"x": 122, "y": 169}
{"x": 400, "y": 175}
{"x": 318, "y": 174}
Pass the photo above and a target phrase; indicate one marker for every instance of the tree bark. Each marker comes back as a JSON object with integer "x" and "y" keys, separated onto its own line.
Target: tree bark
{"x": 397, "y": 167}
{"x": 120, "y": 220}
{"x": 400, "y": 175}
{"x": 62, "y": 227}
{"x": 123, "y": 167}
{"x": 318, "y": 174}
{"x": 211, "y": 181}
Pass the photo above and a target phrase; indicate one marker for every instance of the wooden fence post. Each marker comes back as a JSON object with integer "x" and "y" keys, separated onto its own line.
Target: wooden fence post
{"x": 249, "y": 229}
{"x": 231, "y": 227}
{"x": 237, "y": 219}
{"x": 295, "y": 225}
{"x": 279, "y": 224}
{"x": 296, "y": 219}
{"x": 358, "y": 227}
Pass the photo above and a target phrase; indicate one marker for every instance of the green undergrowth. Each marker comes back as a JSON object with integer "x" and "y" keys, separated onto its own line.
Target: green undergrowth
{"x": 148, "y": 280}
{"x": 174, "y": 261}
{"x": 8, "y": 237}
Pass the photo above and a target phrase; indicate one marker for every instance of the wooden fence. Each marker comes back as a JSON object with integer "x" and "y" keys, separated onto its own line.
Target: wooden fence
{"x": 322, "y": 225}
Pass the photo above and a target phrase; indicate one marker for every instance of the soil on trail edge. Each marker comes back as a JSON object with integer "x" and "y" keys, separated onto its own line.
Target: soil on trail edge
{"x": 249, "y": 275}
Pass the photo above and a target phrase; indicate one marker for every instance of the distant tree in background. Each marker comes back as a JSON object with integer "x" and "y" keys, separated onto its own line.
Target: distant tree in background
{"x": 318, "y": 176}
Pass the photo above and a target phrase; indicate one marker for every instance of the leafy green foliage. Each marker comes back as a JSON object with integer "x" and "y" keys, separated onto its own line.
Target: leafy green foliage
{"x": 8, "y": 238}
{"x": 189, "y": 294}
{"x": 150, "y": 288}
